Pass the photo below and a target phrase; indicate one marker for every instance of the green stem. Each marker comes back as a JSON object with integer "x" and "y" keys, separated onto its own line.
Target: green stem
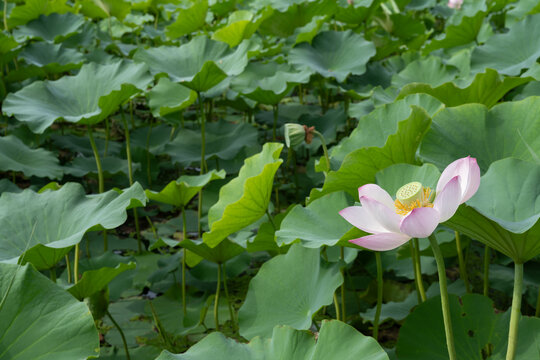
{"x": 121, "y": 333}
{"x": 276, "y": 116}
{"x": 101, "y": 183}
{"x": 6, "y": 28}
{"x": 107, "y": 135}
{"x": 76, "y": 265}
{"x": 416, "y": 283}
{"x": 380, "y": 285}
{"x": 415, "y": 253}
{"x": 216, "y": 300}
{"x": 271, "y": 219}
{"x": 231, "y": 310}
{"x": 343, "y": 308}
{"x": 301, "y": 94}
{"x": 52, "y": 273}
{"x": 462, "y": 264}
{"x": 325, "y": 149}
{"x": 148, "y": 172}
{"x": 486, "y": 270}
{"x": 516, "y": 312}
{"x": 444, "y": 297}
{"x": 336, "y": 306}
{"x": 68, "y": 268}
{"x": 132, "y": 119}
{"x": 203, "y": 161}
{"x": 184, "y": 237}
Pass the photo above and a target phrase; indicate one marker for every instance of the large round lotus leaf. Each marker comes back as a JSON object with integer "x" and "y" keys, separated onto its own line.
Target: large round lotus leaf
{"x": 355, "y": 12}
{"x": 334, "y": 54}
{"x": 486, "y": 88}
{"x": 360, "y": 166}
{"x": 180, "y": 192}
{"x": 58, "y": 219}
{"x": 168, "y": 97}
{"x": 52, "y": 28}
{"x": 200, "y": 64}
{"x": 81, "y": 166}
{"x": 240, "y": 25}
{"x": 224, "y": 140}
{"x": 33, "y": 9}
{"x": 188, "y": 20}
{"x": 474, "y": 130}
{"x": 288, "y": 290}
{"x": 395, "y": 176}
{"x": 52, "y": 58}
{"x": 268, "y": 83}
{"x": 336, "y": 340}
{"x": 477, "y": 328}
{"x": 457, "y": 35}
{"x": 220, "y": 254}
{"x": 16, "y": 156}
{"x": 317, "y": 224}
{"x": 430, "y": 71}
{"x": 105, "y": 8}
{"x": 510, "y": 52}
{"x": 244, "y": 199}
{"x": 86, "y": 98}
{"x": 39, "y": 320}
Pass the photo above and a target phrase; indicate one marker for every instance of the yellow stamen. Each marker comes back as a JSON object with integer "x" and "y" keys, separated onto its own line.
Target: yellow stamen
{"x": 424, "y": 201}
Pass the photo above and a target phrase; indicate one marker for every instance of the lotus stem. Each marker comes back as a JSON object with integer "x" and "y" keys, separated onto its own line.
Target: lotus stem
{"x": 121, "y": 333}
{"x": 6, "y": 28}
{"x": 68, "y": 269}
{"x": 130, "y": 177}
{"x": 76, "y": 265}
{"x": 415, "y": 254}
{"x": 336, "y": 306}
{"x": 516, "y": 312}
{"x": 203, "y": 161}
{"x": 184, "y": 237}
{"x": 462, "y": 264}
{"x": 107, "y": 135}
{"x": 148, "y": 173}
{"x": 380, "y": 285}
{"x": 325, "y": 150}
{"x": 101, "y": 183}
{"x": 52, "y": 274}
{"x": 486, "y": 270}
{"x": 275, "y": 109}
{"x": 444, "y": 298}
{"x": 216, "y": 300}
{"x": 343, "y": 307}
{"x": 231, "y": 310}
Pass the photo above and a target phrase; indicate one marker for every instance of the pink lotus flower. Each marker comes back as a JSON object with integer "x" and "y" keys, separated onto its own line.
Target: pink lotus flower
{"x": 455, "y": 4}
{"x": 414, "y": 213}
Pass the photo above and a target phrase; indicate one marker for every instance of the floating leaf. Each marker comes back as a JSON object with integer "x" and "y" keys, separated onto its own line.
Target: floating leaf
{"x": 270, "y": 301}
{"x": 334, "y": 54}
{"x": 335, "y": 340}
{"x": 60, "y": 219}
{"x": 39, "y": 320}
{"x": 86, "y": 98}
{"x": 16, "y": 156}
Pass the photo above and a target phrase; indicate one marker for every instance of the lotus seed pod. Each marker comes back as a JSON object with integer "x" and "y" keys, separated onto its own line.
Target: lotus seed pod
{"x": 295, "y": 134}
{"x": 410, "y": 193}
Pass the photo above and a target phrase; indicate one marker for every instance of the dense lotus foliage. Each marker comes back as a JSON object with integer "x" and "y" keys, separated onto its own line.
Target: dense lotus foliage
{"x": 172, "y": 175}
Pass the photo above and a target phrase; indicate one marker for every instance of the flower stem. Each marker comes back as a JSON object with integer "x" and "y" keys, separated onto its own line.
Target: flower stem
{"x": 415, "y": 253}
{"x": 184, "y": 237}
{"x": 486, "y": 270}
{"x": 444, "y": 298}
{"x": 231, "y": 310}
{"x": 121, "y": 333}
{"x": 203, "y": 161}
{"x": 68, "y": 269}
{"x": 101, "y": 184}
{"x": 343, "y": 308}
{"x": 325, "y": 149}
{"x": 76, "y": 265}
{"x": 516, "y": 312}
{"x": 380, "y": 285}
{"x": 216, "y": 302}
{"x": 336, "y": 306}
{"x": 462, "y": 264}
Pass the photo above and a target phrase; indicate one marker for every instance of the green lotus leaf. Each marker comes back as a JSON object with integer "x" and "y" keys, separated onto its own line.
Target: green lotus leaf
{"x": 269, "y": 301}
{"x": 16, "y": 156}
{"x": 81, "y": 166}
{"x": 180, "y": 192}
{"x": 7, "y": 43}
{"x": 307, "y": 32}
{"x": 244, "y": 199}
{"x": 336, "y": 340}
{"x": 458, "y": 35}
{"x": 223, "y": 140}
{"x": 375, "y": 128}
{"x": 486, "y": 88}
{"x": 33, "y": 9}
{"x": 200, "y": 64}
{"x": 8, "y": 186}
{"x": 430, "y": 70}
{"x": 188, "y": 20}
{"x": 334, "y": 54}
{"x": 268, "y": 83}
{"x": 395, "y": 176}
{"x": 51, "y": 58}
{"x": 360, "y": 166}
{"x": 240, "y": 26}
{"x": 86, "y": 98}
{"x": 356, "y": 11}
{"x": 474, "y": 130}
{"x": 168, "y": 97}
{"x": 51, "y": 28}
{"x": 31, "y": 223}
{"x": 317, "y": 224}
{"x": 93, "y": 281}
{"x": 39, "y": 320}
{"x": 510, "y": 52}
{"x": 220, "y": 254}
{"x": 103, "y": 9}
{"x": 476, "y": 327}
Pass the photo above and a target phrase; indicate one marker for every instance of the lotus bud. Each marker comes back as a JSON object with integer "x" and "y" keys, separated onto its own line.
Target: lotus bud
{"x": 295, "y": 134}
{"x": 455, "y": 4}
